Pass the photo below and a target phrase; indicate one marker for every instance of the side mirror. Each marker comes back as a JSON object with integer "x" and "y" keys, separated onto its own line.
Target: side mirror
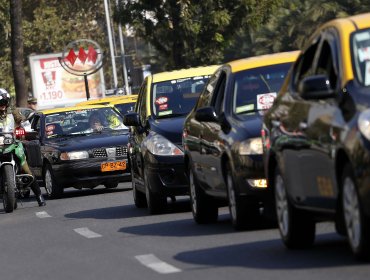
{"x": 316, "y": 87}
{"x": 31, "y": 135}
{"x": 206, "y": 114}
{"x": 131, "y": 119}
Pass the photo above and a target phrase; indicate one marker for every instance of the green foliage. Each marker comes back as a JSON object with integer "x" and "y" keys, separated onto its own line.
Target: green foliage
{"x": 192, "y": 32}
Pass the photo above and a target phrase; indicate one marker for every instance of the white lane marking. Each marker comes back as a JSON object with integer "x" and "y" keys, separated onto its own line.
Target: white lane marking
{"x": 42, "y": 214}
{"x": 84, "y": 231}
{"x": 151, "y": 261}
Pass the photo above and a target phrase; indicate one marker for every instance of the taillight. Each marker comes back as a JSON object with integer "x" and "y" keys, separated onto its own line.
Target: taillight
{"x": 19, "y": 132}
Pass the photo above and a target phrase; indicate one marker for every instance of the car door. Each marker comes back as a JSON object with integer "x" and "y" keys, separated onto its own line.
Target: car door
{"x": 210, "y": 139}
{"x": 324, "y": 123}
{"x": 138, "y": 134}
{"x": 33, "y": 146}
{"x": 292, "y": 112}
{"x": 195, "y": 128}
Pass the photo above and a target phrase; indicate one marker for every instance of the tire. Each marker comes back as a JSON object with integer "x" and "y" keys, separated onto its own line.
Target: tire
{"x": 53, "y": 190}
{"x": 244, "y": 212}
{"x": 156, "y": 202}
{"x": 8, "y": 188}
{"x": 356, "y": 223}
{"x": 111, "y": 185}
{"x": 203, "y": 207}
{"x": 139, "y": 197}
{"x": 297, "y": 229}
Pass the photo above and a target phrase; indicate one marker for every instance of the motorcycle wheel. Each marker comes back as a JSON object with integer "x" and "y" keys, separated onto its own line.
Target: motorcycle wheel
{"x": 9, "y": 188}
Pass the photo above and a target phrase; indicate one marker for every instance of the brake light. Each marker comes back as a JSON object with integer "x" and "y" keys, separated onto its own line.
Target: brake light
{"x": 19, "y": 132}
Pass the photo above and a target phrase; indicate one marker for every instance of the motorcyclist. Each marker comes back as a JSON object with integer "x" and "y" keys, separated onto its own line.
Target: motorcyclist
{"x": 7, "y": 120}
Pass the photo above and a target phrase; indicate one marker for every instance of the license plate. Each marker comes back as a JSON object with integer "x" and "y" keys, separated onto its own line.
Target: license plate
{"x": 113, "y": 166}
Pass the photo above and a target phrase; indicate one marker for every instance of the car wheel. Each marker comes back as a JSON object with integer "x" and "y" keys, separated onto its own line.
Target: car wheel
{"x": 111, "y": 185}
{"x": 53, "y": 190}
{"x": 203, "y": 207}
{"x": 244, "y": 213}
{"x": 139, "y": 197}
{"x": 296, "y": 228}
{"x": 156, "y": 202}
{"x": 356, "y": 223}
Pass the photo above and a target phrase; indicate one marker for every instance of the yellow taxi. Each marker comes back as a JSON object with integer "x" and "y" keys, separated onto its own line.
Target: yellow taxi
{"x": 222, "y": 139}
{"x": 123, "y": 103}
{"x": 156, "y": 151}
{"x": 317, "y": 137}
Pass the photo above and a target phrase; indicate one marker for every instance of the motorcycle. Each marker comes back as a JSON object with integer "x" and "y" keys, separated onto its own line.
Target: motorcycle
{"x": 13, "y": 184}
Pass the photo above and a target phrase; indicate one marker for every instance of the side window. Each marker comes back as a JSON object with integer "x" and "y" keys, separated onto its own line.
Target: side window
{"x": 206, "y": 95}
{"x": 219, "y": 93}
{"x": 326, "y": 61}
{"x": 305, "y": 63}
{"x": 141, "y": 105}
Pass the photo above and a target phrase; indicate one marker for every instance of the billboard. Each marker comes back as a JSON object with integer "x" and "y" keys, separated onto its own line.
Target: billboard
{"x": 54, "y": 87}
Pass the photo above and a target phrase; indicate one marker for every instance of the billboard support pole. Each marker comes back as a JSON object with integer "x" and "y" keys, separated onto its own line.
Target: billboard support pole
{"x": 87, "y": 87}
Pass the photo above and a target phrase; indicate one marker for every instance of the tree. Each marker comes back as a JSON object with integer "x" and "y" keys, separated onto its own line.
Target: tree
{"x": 192, "y": 32}
{"x": 17, "y": 52}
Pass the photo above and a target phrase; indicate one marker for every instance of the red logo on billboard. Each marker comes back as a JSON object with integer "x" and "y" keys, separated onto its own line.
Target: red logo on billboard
{"x": 48, "y": 77}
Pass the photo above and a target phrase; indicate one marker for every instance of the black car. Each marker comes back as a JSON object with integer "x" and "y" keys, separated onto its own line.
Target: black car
{"x": 317, "y": 138}
{"x": 222, "y": 139}
{"x": 80, "y": 147}
{"x": 155, "y": 150}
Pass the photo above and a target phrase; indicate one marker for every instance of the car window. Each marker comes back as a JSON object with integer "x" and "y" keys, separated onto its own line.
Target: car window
{"x": 326, "y": 61}
{"x": 125, "y": 108}
{"x": 207, "y": 93}
{"x": 219, "y": 93}
{"x": 255, "y": 89}
{"x": 84, "y": 121}
{"x": 305, "y": 63}
{"x": 361, "y": 56}
{"x": 176, "y": 97}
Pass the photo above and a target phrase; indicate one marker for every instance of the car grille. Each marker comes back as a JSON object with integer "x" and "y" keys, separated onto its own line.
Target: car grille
{"x": 102, "y": 152}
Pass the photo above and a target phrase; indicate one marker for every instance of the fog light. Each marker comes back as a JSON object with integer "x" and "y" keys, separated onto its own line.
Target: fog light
{"x": 258, "y": 183}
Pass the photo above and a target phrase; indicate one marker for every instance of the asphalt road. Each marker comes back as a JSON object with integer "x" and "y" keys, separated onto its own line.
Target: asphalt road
{"x": 99, "y": 234}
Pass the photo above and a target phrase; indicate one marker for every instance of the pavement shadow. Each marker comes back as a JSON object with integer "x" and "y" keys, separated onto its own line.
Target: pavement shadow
{"x": 329, "y": 250}
{"x": 187, "y": 227}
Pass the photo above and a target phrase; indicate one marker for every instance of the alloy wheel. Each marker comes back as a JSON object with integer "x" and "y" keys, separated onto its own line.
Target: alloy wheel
{"x": 351, "y": 208}
{"x": 281, "y": 202}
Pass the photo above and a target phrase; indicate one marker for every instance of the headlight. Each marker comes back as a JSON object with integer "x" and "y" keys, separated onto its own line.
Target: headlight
{"x": 252, "y": 146}
{"x": 74, "y": 155}
{"x": 363, "y": 123}
{"x": 158, "y": 145}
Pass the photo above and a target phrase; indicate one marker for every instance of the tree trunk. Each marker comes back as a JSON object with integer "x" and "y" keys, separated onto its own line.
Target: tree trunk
{"x": 17, "y": 53}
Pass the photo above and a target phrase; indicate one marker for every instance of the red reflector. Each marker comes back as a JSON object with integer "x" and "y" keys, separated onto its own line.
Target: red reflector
{"x": 20, "y": 132}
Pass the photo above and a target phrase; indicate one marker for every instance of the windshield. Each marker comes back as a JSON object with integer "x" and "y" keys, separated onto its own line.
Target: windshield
{"x": 256, "y": 89}
{"x": 125, "y": 107}
{"x": 84, "y": 121}
{"x": 176, "y": 97}
{"x": 361, "y": 56}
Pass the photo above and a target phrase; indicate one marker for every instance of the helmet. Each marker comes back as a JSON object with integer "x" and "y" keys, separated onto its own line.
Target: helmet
{"x": 4, "y": 97}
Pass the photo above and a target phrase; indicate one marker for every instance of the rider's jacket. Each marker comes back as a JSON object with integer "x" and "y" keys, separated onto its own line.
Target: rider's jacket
{"x": 7, "y": 122}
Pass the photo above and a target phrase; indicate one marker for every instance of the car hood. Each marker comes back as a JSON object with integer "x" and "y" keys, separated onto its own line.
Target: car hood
{"x": 170, "y": 128}
{"x": 87, "y": 142}
{"x": 252, "y": 125}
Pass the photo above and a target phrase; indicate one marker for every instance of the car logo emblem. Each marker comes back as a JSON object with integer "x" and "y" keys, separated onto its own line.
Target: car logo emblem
{"x": 111, "y": 152}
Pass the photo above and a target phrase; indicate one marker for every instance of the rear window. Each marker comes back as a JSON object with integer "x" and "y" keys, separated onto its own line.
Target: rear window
{"x": 176, "y": 97}
{"x": 361, "y": 56}
{"x": 256, "y": 89}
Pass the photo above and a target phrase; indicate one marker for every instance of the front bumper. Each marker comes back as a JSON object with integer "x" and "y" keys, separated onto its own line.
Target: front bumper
{"x": 87, "y": 173}
{"x": 166, "y": 175}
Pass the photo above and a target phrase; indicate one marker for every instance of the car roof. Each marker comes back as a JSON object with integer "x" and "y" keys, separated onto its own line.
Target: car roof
{"x": 262, "y": 60}
{"x": 110, "y": 99}
{"x": 74, "y": 108}
{"x": 184, "y": 73}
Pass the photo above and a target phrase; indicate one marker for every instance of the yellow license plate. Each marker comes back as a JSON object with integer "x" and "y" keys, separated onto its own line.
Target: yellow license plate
{"x": 113, "y": 166}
